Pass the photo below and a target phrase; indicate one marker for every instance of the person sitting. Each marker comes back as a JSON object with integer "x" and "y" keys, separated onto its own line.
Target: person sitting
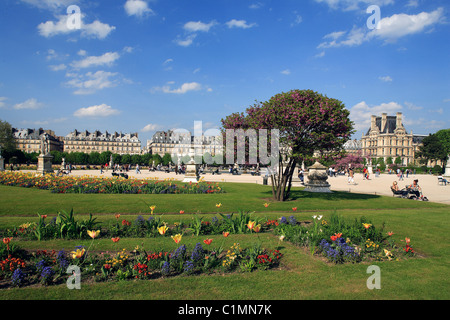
{"x": 415, "y": 188}
{"x": 396, "y": 190}
{"x": 444, "y": 181}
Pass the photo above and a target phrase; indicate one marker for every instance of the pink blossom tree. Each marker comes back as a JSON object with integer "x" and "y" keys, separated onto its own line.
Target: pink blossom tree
{"x": 307, "y": 121}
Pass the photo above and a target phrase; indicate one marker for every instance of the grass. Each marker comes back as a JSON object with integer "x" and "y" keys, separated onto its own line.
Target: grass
{"x": 302, "y": 276}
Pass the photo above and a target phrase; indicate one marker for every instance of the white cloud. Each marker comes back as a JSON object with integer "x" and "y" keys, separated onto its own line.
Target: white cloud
{"x": 185, "y": 87}
{"x": 320, "y": 55}
{"x": 137, "y": 8}
{"x": 385, "y": 79}
{"x": 28, "y": 104}
{"x": 51, "y": 4}
{"x": 2, "y": 103}
{"x": 101, "y": 110}
{"x": 401, "y": 25}
{"x": 239, "y": 24}
{"x": 256, "y": 5}
{"x": 151, "y": 127}
{"x": 186, "y": 42}
{"x": 354, "y": 4}
{"x": 286, "y": 72}
{"x": 195, "y": 26}
{"x": 412, "y": 106}
{"x": 361, "y": 113}
{"x": 82, "y": 52}
{"x": 391, "y": 29}
{"x": 91, "y": 82}
{"x": 95, "y": 29}
{"x": 413, "y": 3}
{"x": 107, "y": 58}
{"x": 298, "y": 20}
{"x": 58, "y": 67}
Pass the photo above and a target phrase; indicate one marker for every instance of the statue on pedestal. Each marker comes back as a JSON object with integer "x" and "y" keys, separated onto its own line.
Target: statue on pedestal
{"x": 447, "y": 167}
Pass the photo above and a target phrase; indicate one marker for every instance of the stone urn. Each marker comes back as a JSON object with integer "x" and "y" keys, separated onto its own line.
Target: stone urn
{"x": 317, "y": 179}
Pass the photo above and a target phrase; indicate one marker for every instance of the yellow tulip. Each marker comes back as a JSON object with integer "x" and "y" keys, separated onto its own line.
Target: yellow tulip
{"x": 77, "y": 254}
{"x": 93, "y": 234}
{"x": 177, "y": 238}
{"x": 152, "y": 208}
{"x": 367, "y": 225}
{"x": 218, "y": 205}
{"x": 251, "y": 224}
{"x": 163, "y": 229}
{"x": 257, "y": 228}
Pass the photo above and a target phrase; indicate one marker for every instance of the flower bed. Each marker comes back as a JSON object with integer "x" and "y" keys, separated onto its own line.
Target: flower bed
{"x": 87, "y": 184}
{"x": 50, "y": 267}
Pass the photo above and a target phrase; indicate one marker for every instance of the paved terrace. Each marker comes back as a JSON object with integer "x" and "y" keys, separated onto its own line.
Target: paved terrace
{"x": 376, "y": 185}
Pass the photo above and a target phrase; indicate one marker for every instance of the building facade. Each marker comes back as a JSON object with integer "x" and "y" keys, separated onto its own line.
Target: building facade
{"x": 87, "y": 142}
{"x": 388, "y": 138}
{"x": 29, "y": 140}
{"x": 182, "y": 143}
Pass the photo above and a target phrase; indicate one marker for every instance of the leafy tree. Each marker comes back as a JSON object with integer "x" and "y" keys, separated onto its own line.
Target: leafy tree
{"x": 398, "y": 161}
{"x": 135, "y": 159}
{"x": 126, "y": 159}
{"x": 166, "y": 159}
{"x": 94, "y": 158}
{"x": 307, "y": 122}
{"x": 105, "y": 157}
{"x": 432, "y": 149}
{"x": 7, "y": 141}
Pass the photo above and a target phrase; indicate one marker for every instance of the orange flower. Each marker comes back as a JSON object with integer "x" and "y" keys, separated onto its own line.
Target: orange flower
{"x": 266, "y": 204}
{"x": 294, "y": 209}
{"x": 338, "y": 235}
{"x": 208, "y": 241}
{"x": 333, "y": 238}
{"x": 367, "y": 225}
{"x": 181, "y": 211}
{"x": 116, "y": 239}
{"x": 257, "y": 228}
{"x": 117, "y": 216}
{"x": 226, "y": 234}
{"x": 218, "y": 205}
{"x": 390, "y": 233}
{"x": 7, "y": 240}
{"x": 44, "y": 216}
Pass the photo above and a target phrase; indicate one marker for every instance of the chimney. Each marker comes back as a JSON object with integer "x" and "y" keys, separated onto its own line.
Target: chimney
{"x": 373, "y": 124}
{"x": 383, "y": 121}
{"x": 399, "y": 120}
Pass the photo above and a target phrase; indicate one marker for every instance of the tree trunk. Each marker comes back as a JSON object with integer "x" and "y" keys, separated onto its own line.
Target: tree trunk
{"x": 281, "y": 184}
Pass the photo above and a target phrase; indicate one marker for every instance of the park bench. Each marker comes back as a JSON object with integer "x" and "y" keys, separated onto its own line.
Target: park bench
{"x": 442, "y": 181}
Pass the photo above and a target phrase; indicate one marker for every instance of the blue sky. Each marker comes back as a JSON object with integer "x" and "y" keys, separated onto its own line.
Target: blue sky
{"x": 147, "y": 65}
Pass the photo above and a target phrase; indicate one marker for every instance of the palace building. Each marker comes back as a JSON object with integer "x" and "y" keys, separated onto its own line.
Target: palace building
{"x": 181, "y": 143}
{"x": 388, "y": 138}
{"x": 96, "y": 141}
{"x": 29, "y": 140}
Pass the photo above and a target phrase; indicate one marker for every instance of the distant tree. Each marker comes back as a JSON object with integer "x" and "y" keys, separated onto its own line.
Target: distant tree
{"x": 7, "y": 141}
{"x": 350, "y": 160}
{"x": 398, "y": 161}
{"x": 433, "y": 149}
{"x": 105, "y": 157}
{"x": 166, "y": 159}
{"x": 135, "y": 159}
{"x": 126, "y": 159}
{"x": 94, "y": 158}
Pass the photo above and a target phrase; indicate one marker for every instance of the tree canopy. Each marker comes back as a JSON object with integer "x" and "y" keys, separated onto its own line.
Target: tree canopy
{"x": 308, "y": 123}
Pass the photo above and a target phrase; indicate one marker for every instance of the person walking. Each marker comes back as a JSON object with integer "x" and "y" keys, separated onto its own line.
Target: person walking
{"x": 138, "y": 171}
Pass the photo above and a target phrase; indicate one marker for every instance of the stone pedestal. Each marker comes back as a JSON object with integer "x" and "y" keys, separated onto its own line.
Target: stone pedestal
{"x": 2, "y": 164}
{"x": 317, "y": 179}
{"x": 191, "y": 174}
{"x": 45, "y": 164}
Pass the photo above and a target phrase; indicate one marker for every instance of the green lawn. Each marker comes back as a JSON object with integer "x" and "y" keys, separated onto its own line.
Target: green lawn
{"x": 302, "y": 276}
